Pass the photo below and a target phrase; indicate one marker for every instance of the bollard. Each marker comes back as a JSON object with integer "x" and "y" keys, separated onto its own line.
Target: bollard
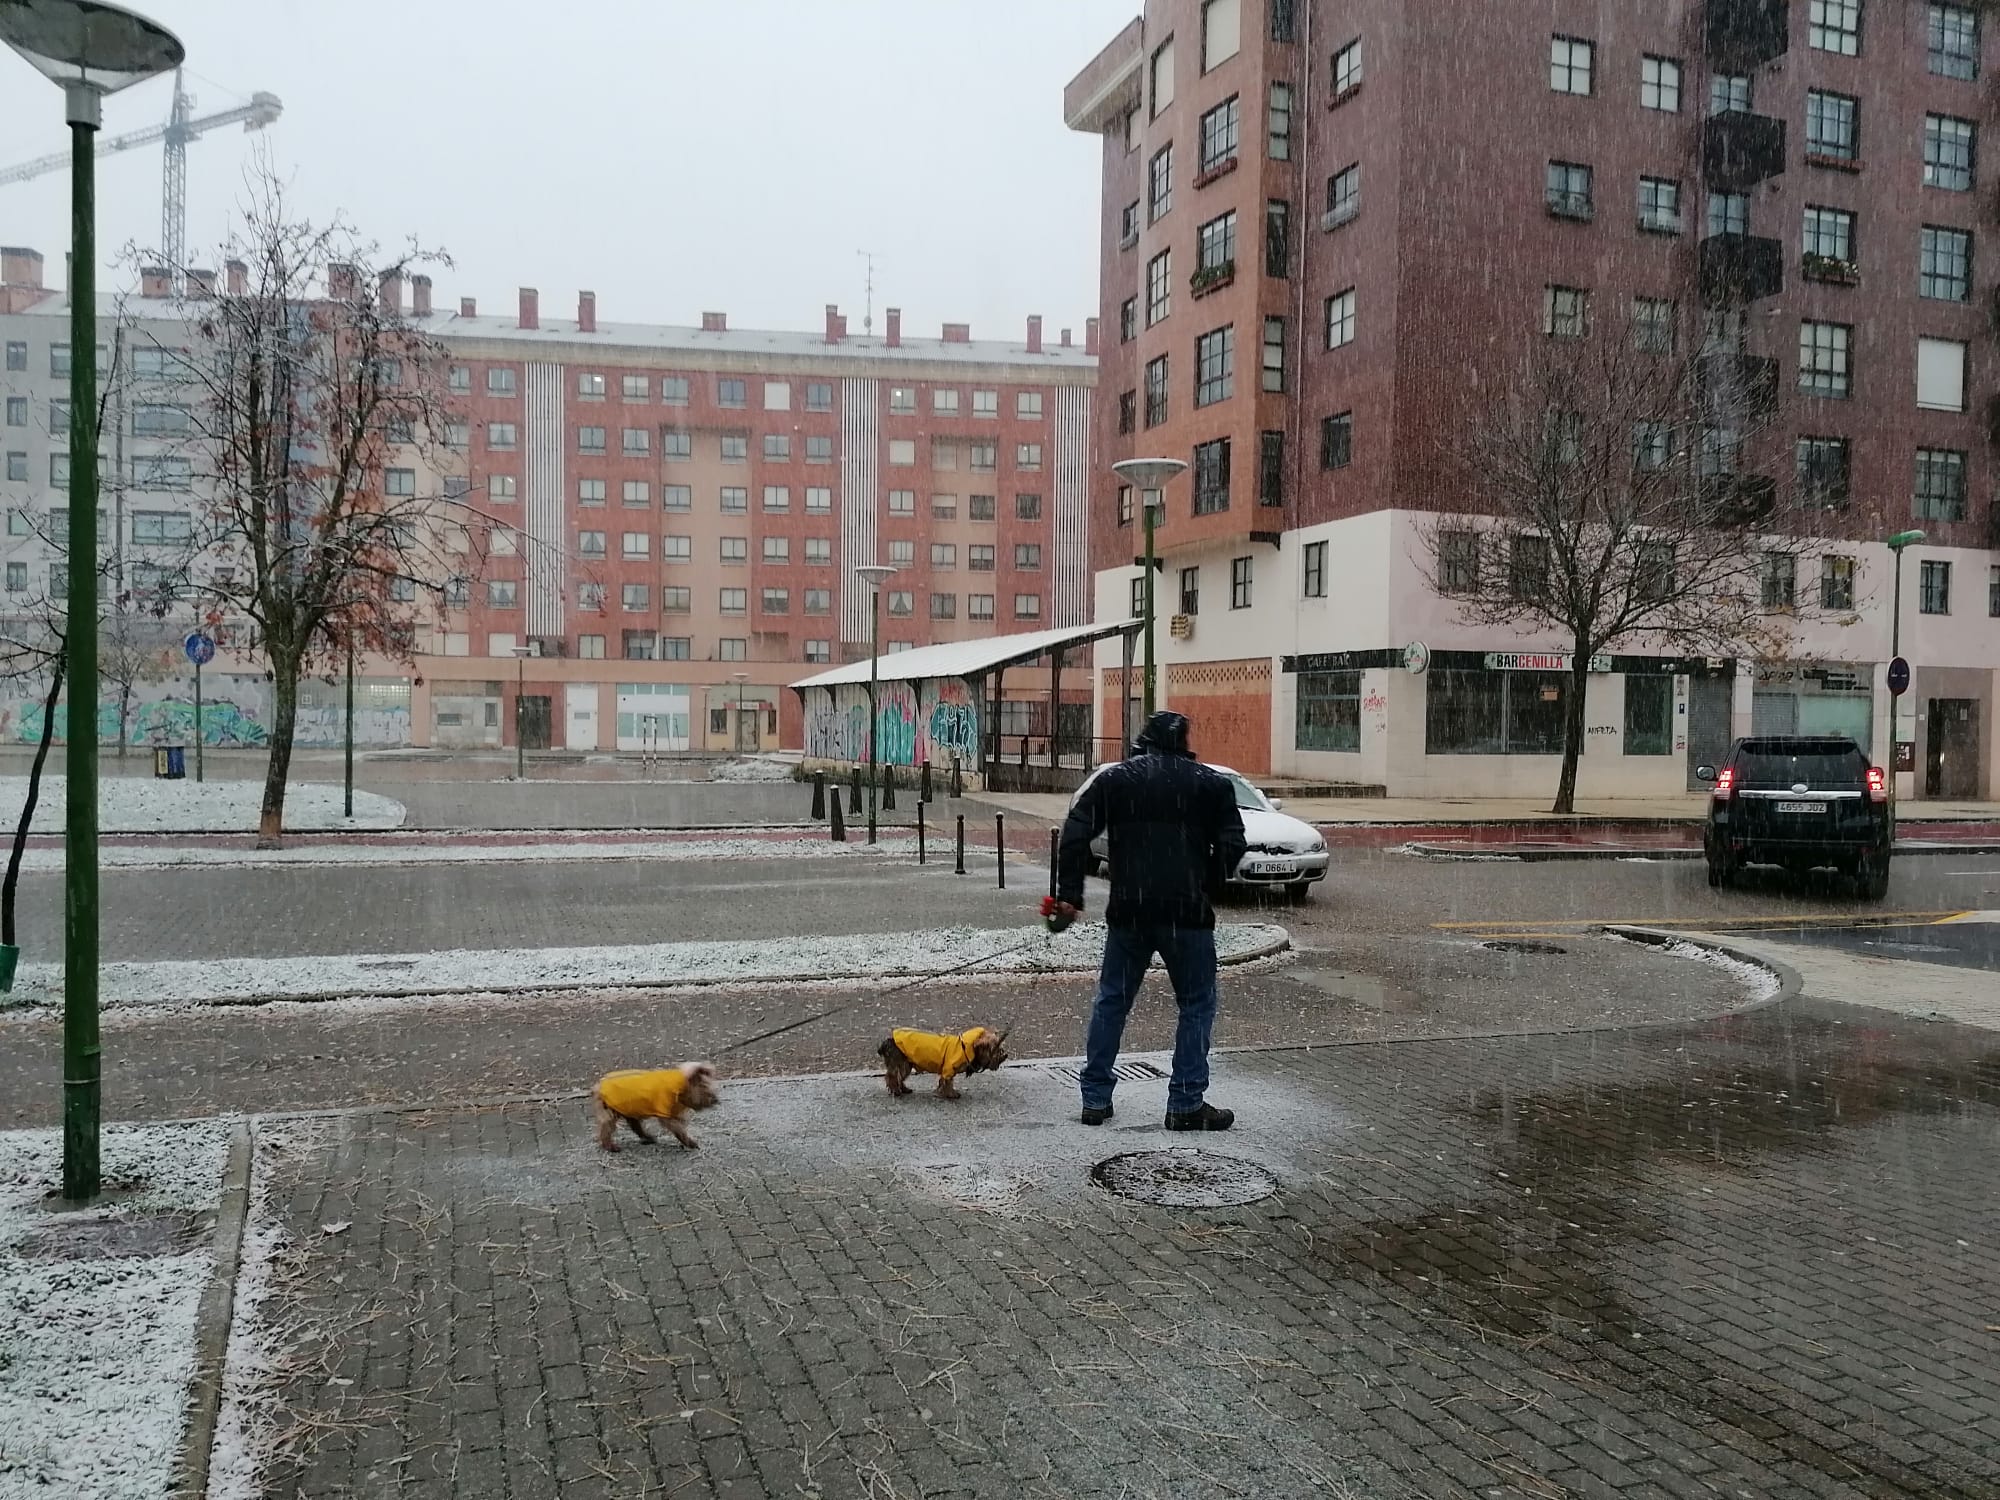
{"x": 1000, "y": 847}
{"x": 924, "y": 784}
{"x": 1055, "y": 837}
{"x": 854, "y": 794}
{"x": 835, "y": 823}
{"x": 819, "y": 795}
{"x": 1024, "y": 752}
{"x": 960, "y": 870}
{"x": 957, "y": 778}
{"x": 920, "y": 833}
{"x": 888, "y": 789}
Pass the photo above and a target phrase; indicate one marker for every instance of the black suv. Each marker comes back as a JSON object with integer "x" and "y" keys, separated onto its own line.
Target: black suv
{"x": 1800, "y": 802}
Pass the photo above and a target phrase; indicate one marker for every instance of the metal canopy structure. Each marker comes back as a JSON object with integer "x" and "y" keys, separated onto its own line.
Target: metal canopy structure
{"x": 967, "y": 659}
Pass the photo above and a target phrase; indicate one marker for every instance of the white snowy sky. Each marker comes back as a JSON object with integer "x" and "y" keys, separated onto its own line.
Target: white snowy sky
{"x": 671, "y": 155}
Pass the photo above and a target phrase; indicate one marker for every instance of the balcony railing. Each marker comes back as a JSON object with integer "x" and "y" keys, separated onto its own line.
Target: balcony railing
{"x": 1740, "y": 150}
{"x": 1742, "y": 35}
{"x": 1739, "y": 383}
{"x": 1741, "y": 268}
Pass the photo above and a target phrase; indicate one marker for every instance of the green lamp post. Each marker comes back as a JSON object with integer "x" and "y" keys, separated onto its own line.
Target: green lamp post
{"x": 1149, "y": 477}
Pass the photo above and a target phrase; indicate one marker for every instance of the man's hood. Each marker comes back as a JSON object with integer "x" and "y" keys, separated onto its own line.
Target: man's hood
{"x": 1166, "y": 733}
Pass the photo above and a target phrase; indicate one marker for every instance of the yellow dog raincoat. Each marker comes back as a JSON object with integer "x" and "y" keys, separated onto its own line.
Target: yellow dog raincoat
{"x": 938, "y": 1052}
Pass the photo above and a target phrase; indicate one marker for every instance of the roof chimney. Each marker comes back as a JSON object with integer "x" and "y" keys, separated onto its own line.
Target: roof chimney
{"x": 531, "y": 308}
{"x": 833, "y": 328}
{"x": 200, "y": 283}
{"x": 586, "y": 312}
{"x": 467, "y": 308}
{"x": 894, "y": 338}
{"x": 958, "y": 333}
{"x": 714, "y": 322}
{"x": 389, "y": 293}
{"x": 420, "y": 296}
{"x": 19, "y": 266}
{"x": 239, "y": 277}
{"x": 341, "y": 281}
{"x": 1065, "y": 338}
{"x": 155, "y": 282}
{"x": 1035, "y": 334}
{"x": 1090, "y": 336}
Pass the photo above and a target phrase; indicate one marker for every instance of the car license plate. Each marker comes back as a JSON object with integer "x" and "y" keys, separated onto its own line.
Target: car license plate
{"x": 1801, "y": 807}
{"x": 1272, "y": 867}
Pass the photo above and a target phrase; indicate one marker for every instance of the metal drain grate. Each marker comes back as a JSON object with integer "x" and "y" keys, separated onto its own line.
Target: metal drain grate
{"x": 1124, "y": 1072}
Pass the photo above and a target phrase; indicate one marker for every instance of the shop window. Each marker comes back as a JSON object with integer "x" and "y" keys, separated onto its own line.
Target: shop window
{"x": 1649, "y": 715}
{"x": 1329, "y": 711}
{"x": 1478, "y": 712}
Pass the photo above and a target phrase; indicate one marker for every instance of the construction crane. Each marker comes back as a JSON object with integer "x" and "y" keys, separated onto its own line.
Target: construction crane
{"x": 182, "y": 126}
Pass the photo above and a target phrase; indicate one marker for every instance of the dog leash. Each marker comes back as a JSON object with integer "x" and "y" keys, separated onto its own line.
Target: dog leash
{"x": 764, "y": 1036}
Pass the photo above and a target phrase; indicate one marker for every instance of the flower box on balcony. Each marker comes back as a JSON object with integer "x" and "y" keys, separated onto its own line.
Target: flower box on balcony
{"x": 1830, "y": 269}
{"x": 1211, "y": 278}
{"x": 1833, "y": 163}
{"x": 1209, "y": 174}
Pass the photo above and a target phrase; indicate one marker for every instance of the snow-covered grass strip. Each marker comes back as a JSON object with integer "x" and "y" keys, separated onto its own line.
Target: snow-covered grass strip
{"x": 754, "y": 768}
{"x": 131, "y": 804}
{"x": 144, "y": 857}
{"x": 972, "y": 950}
{"x": 96, "y": 1354}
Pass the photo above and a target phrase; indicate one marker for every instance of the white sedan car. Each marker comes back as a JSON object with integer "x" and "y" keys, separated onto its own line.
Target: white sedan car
{"x": 1283, "y": 851}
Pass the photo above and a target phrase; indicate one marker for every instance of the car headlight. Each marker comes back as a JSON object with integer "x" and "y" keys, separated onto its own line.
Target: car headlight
{"x": 1317, "y": 846}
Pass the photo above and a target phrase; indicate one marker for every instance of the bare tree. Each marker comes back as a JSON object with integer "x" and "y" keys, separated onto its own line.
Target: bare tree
{"x": 319, "y": 407}
{"x": 1611, "y": 495}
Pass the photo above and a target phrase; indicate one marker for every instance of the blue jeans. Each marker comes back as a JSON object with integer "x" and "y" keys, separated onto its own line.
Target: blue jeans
{"x": 1189, "y": 954}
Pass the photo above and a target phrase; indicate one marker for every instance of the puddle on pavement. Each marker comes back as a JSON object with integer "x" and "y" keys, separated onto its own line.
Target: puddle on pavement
{"x": 1364, "y": 990}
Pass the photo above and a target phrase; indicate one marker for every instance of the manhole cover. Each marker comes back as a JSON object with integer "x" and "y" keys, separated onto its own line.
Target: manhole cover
{"x": 1184, "y": 1178}
{"x": 121, "y": 1238}
{"x": 1521, "y": 945}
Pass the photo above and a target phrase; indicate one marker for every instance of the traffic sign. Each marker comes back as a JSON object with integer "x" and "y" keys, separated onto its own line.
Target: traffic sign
{"x": 1899, "y": 677}
{"x": 200, "y": 649}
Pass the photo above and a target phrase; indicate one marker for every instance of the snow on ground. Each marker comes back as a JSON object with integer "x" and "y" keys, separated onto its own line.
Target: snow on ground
{"x": 936, "y": 951}
{"x": 1758, "y": 982}
{"x": 132, "y": 804}
{"x": 754, "y": 768}
{"x": 96, "y": 1354}
{"x": 142, "y": 857}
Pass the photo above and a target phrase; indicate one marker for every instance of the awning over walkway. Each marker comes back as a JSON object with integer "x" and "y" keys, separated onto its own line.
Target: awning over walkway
{"x": 966, "y": 658}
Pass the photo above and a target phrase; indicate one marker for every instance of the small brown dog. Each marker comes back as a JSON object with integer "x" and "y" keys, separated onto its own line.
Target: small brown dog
{"x": 636, "y": 1095}
{"x": 979, "y": 1050}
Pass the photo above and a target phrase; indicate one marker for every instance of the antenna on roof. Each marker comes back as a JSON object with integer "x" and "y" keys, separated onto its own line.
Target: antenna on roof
{"x": 868, "y": 313}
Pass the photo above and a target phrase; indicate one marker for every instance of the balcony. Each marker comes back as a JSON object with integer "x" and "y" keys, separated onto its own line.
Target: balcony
{"x": 1574, "y": 206}
{"x": 1740, "y": 150}
{"x": 1212, "y": 278}
{"x": 1740, "y": 499}
{"x": 1830, "y": 269}
{"x": 1742, "y": 35}
{"x": 1740, "y": 268}
{"x": 1738, "y": 383}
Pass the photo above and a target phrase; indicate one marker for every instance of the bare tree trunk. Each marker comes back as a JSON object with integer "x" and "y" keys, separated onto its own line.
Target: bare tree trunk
{"x": 284, "y": 723}
{"x": 13, "y": 880}
{"x": 124, "y": 716}
{"x": 1579, "y": 681}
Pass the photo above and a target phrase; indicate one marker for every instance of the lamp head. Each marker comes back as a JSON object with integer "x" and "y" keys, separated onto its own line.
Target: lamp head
{"x": 873, "y": 572}
{"x": 88, "y": 48}
{"x": 1147, "y": 474}
{"x": 1904, "y": 539}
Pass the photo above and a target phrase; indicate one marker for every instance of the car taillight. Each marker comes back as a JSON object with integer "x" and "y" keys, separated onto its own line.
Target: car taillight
{"x": 1725, "y": 779}
{"x": 1878, "y": 785}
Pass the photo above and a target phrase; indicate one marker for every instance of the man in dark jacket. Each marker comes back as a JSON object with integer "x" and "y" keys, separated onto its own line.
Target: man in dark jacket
{"x": 1174, "y": 831}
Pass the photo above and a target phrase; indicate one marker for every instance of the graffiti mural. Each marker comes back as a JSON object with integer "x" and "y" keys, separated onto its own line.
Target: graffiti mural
{"x": 235, "y": 712}
{"x": 896, "y": 724}
{"x": 954, "y": 722}
{"x": 837, "y": 724}
{"x": 915, "y": 722}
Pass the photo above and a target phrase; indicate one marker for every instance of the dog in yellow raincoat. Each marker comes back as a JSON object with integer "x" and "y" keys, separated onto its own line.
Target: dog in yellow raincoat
{"x": 979, "y": 1050}
{"x": 636, "y": 1095}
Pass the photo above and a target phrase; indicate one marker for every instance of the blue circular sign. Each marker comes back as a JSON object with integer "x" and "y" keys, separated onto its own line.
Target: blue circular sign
{"x": 200, "y": 649}
{"x": 1899, "y": 677}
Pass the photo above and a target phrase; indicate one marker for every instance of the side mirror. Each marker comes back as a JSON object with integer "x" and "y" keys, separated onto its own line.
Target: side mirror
{"x": 1704, "y": 773}
{"x": 1277, "y": 803}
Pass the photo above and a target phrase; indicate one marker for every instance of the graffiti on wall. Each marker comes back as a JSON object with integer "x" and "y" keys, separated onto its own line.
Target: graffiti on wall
{"x": 915, "y": 722}
{"x": 837, "y": 725}
{"x": 234, "y": 713}
{"x": 954, "y": 722}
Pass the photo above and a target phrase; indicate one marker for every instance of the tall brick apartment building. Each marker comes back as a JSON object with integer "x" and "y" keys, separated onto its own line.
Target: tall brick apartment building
{"x": 1332, "y": 230}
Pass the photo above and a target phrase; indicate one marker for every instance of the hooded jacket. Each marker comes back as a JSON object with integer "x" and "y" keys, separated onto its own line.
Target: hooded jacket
{"x": 643, "y": 1093}
{"x": 1175, "y": 832}
{"x": 936, "y": 1052}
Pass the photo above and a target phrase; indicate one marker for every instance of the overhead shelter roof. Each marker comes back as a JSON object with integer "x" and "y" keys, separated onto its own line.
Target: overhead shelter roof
{"x": 966, "y": 658}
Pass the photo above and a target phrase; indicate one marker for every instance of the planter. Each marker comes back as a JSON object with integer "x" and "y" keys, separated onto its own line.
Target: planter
{"x": 1827, "y": 269}
{"x": 1213, "y": 280}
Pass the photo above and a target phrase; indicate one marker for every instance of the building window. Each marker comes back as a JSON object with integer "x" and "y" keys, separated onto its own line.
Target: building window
{"x": 774, "y": 601}
{"x": 1833, "y": 125}
{"x": 985, "y": 457}
{"x": 1569, "y": 192}
{"x": 590, "y": 439}
{"x": 1822, "y": 468}
{"x": 1191, "y": 590}
{"x": 152, "y": 528}
{"x": 1653, "y": 325}
{"x": 1128, "y": 226}
{"x": 636, "y": 442}
{"x": 1281, "y": 122}
{"x": 736, "y": 447}
{"x": 819, "y": 551}
{"x": 635, "y": 387}
{"x": 1458, "y": 562}
{"x": 1277, "y": 238}
{"x": 1313, "y": 585}
{"x": 1934, "y": 588}
{"x": 500, "y": 382}
{"x": 1954, "y": 41}
{"x": 902, "y": 453}
{"x": 944, "y": 402}
{"x": 1336, "y": 441}
{"x": 819, "y": 601}
{"x": 819, "y": 450}
{"x": 1347, "y": 69}
{"x": 777, "y": 550}
{"x": 1660, "y": 83}
{"x": 676, "y": 549}
{"x": 735, "y": 499}
{"x": 733, "y": 601}
{"x": 1215, "y": 366}
{"x": 1274, "y": 354}
{"x": 1211, "y": 477}
{"x": 399, "y": 482}
{"x": 819, "y": 652}
{"x": 777, "y": 497}
{"x": 1835, "y": 26}
{"x": 1128, "y": 327}
{"x": 637, "y": 494}
{"x": 1728, "y": 213}
{"x": 1160, "y": 184}
{"x": 1948, "y": 153}
{"x": 944, "y": 555}
{"x": 1027, "y": 555}
{"x": 730, "y": 392}
{"x": 1945, "y": 264}
{"x": 501, "y": 593}
{"x": 676, "y": 497}
{"x": 1478, "y": 712}
{"x": 944, "y": 606}
{"x": 676, "y": 445}
{"x": 1940, "y": 484}
{"x": 1660, "y": 205}
{"x": 902, "y": 502}
{"x": 777, "y": 447}
{"x": 1649, "y": 714}
{"x": 1340, "y": 319}
{"x": 500, "y": 436}
{"x": 1328, "y": 716}
{"x": 1284, "y": 25}
{"x": 1836, "y": 582}
{"x": 1940, "y": 375}
{"x": 1156, "y": 391}
{"x": 1218, "y": 136}
{"x": 1027, "y": 507}
{"x": 1162, "y": 77}
{"x": 1729, "y": 93}
{"x": 1028, "y": 456}
{"x": 676, "y": 601}
{"x": 636, "y": 598}
{"x": 590, "y": 544}
{"x": 1270, "y": 468}
{"x": 979, "y": 606}
{"x": 1570, "y": 61}
{"x": 17, "y": 359}
{"x": 1528, "y": 567}
{"x": 637, "y": 645}
{"x": 1823, "y": 359}
{"x": 1565, "y": 312}
{"x": 735, "y": 549}
{"x": 1124, "y": 509}
{"x": 1239, "y": 582}
{"x": 1027, "y": 606}
{"x": 1128, "y": 411}
{"x": 1828, "y": 234}
{"x": 589, "y": 387}
{"x": 1652, "y": 446}
{"x": 674, "y": 390}
{"x": 1343, "y": 196}
{"x": 1159, "y": 287}
{"x": 1778, "y": 580}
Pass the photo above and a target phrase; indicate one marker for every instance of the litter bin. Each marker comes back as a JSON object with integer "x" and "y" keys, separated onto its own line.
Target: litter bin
{"x": 169, "y": 762}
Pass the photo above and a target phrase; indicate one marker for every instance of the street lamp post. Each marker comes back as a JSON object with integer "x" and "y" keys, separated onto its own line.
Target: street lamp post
{"x": 1896, "y": 544}
{"x": 349, "y": 738}
{"x": 739, "y": 678}
{"x": 1149, "y": 476}
{"x": 90, "y": 49}
{"x": 872, "y": 574}
{"x": 520, "y": 718}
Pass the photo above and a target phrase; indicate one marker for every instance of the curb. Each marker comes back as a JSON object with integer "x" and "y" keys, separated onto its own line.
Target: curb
{"x": 212, "y": 1320}
{"x": 1790, "y": 983}
{"x": 1471, "y": 853}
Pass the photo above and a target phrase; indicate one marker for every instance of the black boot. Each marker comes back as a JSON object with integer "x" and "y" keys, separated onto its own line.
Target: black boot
{"x": 1207, "y": 1117}
{"x": 1095, "y": 1116}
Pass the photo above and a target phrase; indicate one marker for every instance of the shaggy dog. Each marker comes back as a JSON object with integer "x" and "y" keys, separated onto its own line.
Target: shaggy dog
{"x": 979, "y": 1050}
{"x": 636, "y": 1095}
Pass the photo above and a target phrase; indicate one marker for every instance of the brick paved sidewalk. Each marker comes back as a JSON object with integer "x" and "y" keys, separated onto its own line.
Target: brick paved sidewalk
{"x": 1754, "y": 1257}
